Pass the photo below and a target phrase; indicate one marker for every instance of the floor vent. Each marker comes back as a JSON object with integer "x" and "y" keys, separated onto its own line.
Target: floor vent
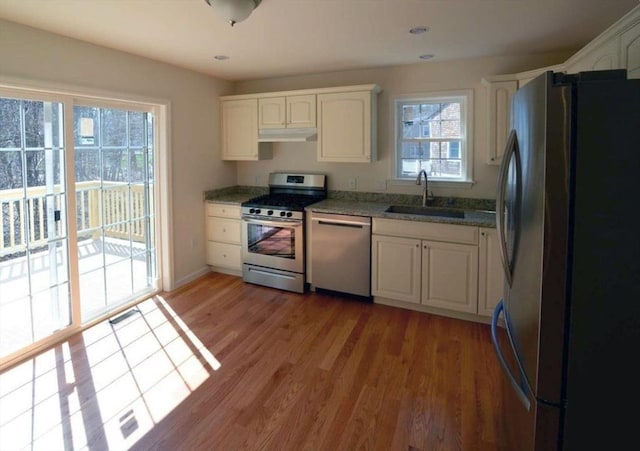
{"x": 124, "y": 316}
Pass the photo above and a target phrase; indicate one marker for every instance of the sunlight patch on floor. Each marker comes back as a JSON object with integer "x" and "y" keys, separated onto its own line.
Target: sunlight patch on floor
{"x": 122, "y": 380}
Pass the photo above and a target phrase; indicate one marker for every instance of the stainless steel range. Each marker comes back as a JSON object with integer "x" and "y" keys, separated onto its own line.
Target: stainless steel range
{"x": 273, "y": 241}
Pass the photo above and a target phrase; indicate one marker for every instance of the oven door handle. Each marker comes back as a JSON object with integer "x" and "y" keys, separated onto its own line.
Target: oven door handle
{"x": 288, "y": 224}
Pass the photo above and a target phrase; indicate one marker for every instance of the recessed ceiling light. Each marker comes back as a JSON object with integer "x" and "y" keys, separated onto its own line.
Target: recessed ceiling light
{"x": 427, "y": 56}
{"x": 221, "y": 57}
{"x": 419, "y": 30}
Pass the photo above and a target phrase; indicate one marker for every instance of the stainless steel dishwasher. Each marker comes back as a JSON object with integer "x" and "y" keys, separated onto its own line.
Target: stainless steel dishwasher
{"x": 341, "y": 253}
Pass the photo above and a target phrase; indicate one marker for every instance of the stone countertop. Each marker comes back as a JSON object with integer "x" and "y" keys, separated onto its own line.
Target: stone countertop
{"x": 234, "y": 195}
{"x": 481, "y": 218}
{"x": 477, "y": 211}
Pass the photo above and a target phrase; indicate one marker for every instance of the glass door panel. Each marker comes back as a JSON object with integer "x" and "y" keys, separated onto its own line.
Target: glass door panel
{"x": 34, "y": 268}
{"x": 114, "y": 185}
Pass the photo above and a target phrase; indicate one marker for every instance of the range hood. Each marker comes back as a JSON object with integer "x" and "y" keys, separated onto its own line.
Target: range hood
{"x": 270, "y": 135}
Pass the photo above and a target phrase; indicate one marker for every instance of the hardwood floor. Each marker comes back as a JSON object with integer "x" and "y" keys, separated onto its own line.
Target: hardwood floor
{"x": 224, "y": 365}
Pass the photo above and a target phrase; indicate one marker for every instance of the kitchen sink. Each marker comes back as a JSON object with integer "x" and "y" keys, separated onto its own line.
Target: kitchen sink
{"x": 425, "y": 211}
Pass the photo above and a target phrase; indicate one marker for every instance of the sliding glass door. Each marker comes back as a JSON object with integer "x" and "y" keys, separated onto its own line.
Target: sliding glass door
{"x": 114, "y": 201}
{"x": 51, "y": 280}
{"x": 34, "y": 269}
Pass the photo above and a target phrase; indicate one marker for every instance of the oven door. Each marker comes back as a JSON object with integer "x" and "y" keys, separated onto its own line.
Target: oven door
{"x": 277, "y": 244}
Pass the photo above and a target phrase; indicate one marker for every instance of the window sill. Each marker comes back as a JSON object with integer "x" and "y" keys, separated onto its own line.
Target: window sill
{"x": 456, "y": 184}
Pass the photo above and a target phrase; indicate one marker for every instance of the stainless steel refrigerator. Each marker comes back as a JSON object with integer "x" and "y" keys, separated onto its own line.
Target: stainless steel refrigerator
{"x": 567, "y": 332}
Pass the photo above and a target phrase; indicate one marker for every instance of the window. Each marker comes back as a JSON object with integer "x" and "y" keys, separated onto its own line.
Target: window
{"x": 432, "y": 135}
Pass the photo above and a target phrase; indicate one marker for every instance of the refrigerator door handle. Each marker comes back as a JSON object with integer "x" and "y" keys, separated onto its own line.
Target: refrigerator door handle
{"x": 510, "y": 150}
{"x": 520, "y": 392}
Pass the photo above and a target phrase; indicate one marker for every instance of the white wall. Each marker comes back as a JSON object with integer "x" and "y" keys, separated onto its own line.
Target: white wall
{"x": 34, "y": 55}
{"x": 397, "y": 80}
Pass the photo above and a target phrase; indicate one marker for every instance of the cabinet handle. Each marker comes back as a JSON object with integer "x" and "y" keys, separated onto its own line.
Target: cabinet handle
{"x": 482, "y": 233}
{"x": 418, "y": 246}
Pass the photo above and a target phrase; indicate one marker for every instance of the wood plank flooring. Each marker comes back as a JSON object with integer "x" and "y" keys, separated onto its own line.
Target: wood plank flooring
{"x": 225, "y": 365}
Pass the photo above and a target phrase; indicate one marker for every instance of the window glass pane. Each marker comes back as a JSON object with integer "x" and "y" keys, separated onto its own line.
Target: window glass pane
{"x": 411, "y": 113}
{"x": 114, "y": 128}
{"x": 10, "y": 169}
{"x": 115, "y": 165}
{"x": 450, "y": 128}
{"x": 430, "y": 111}
{"x": 9, "y": 124}
{"x": 86, "y": 122}
{"x": 136, "y": 129}
{"x": 411, "y": 130}
{"x": 33, "y": 123}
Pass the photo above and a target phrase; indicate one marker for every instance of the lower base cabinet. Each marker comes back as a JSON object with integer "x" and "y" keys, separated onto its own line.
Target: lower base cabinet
{"x": 223, "y": 231}
{"x": 462, "y": 273}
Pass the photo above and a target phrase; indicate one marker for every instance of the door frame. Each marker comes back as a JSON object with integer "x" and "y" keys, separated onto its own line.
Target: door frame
{"x": 69, "y": 96}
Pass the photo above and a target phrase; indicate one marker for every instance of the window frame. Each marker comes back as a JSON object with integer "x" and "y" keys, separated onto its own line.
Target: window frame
{"x": 465, "y": 97}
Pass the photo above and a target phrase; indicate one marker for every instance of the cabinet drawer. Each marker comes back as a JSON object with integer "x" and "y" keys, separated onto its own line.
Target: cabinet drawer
{"x": 452, "y": 233}
{"x": 222, "y": 229}
{"x": 223, "y": 254}
{"x": 223, "y": 210}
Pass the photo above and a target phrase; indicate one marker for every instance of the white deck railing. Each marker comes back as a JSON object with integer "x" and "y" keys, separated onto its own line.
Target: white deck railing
{"x": 122, "y": 213}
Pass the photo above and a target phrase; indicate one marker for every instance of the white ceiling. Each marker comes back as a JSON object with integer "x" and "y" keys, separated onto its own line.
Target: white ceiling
{"x": 291, "y": 37}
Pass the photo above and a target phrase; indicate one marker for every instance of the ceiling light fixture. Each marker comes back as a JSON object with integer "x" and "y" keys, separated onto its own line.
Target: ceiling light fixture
{"x": 233, "y": 11}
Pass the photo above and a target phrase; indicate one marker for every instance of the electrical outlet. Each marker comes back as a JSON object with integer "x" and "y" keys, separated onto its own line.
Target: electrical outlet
{"x": 257, "y": 180}
{"x": 381, "y": 185}
{"x": 352, "y": 182}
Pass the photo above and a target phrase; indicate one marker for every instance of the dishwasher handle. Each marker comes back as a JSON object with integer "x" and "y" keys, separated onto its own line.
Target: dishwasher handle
{"x": 342, "y": 223}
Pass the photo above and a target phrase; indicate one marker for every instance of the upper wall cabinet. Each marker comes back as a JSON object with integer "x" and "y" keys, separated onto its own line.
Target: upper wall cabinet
{"x": 618, "y": 47}
{"x": 239, "y": 130}
{"x": 298, "y": 111}
{"x": 630, "y": 50}
{"x": 499, "y": 93}
{"x": 341, "y": 119}
{"x": 347, "y": 126}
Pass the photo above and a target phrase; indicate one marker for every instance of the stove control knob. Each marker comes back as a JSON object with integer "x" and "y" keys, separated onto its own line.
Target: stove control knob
{"x": 252, "y": 210}
{"x": 289, "y": 214}
{"x": 270, "y": 212}
{"x": 282, "y": 213}
{"x": 257, "y": 211}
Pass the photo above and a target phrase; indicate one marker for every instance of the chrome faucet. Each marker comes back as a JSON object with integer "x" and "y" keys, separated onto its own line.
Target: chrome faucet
{"x": 425, "y": 192}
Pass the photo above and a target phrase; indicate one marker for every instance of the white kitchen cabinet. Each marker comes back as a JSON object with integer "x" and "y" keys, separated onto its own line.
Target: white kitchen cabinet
{"x": 602, "y": 57}
{"x": 298, "y": 111}
{"x": 490, "y": 273}
{"x": 499, "y": 95}
{"x": 347, "y": 127}
{"x": 395, "y": 268}
{"x": 223, "y": 233}
{"x": 240, "y": 131}
{"x": 450, "y": 276}
{"x": 430, "y": 264}
{"x": 630, "y": 50}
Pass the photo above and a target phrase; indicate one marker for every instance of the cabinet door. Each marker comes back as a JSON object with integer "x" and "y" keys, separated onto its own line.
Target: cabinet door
{"x": 630, "y": 51}
{"x": 240, "y": 129}
{"x": 500, "y": 94}
{"x": 272, "y": 112}
{"x": 450, "y": 276}
{"x": 490, "y": 273}
{"x": 301, "y": 111}
{"x": 344, "y": 127}
{"x": 395, "y": 268}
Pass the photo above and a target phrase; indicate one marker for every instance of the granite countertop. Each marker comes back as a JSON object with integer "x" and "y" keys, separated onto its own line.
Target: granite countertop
{"x": 478, "y": 212}
{"x": 473, "y": 217}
